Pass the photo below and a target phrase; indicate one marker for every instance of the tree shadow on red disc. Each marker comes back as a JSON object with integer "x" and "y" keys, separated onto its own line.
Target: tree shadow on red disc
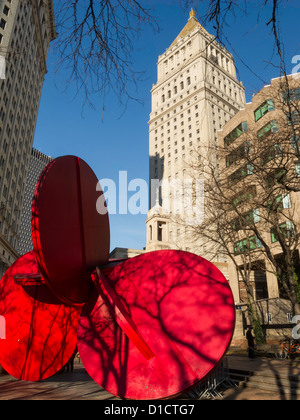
{"x": 182, "y": 307}
{"x": 41, "y": 332}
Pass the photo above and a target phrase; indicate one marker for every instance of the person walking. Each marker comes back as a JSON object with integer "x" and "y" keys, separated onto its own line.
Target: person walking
{"x": 251, "y": 343}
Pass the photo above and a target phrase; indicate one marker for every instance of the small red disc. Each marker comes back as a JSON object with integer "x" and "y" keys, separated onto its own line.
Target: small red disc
{"x": 40, "y": 331}
{"x": 177, "y": 310}
{"x": 70, "y": 237}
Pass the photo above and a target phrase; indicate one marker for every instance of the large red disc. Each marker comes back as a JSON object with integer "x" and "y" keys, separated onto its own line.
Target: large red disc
{"x": 70, "y": 237}
{"x": 177, "y": 310}
{"x": 41, "y": 332}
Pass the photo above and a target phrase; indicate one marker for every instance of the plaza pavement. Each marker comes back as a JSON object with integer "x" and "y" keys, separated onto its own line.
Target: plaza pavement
{"x": 77, "y": 385}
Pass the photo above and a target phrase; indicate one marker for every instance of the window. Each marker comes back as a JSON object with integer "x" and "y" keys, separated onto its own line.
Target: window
{"x": 276, "y": 177}
{"x": 239, "y": 153}
{"x": 240, "y": 174}
{"x": 271, "y": 154}
{"x": 2, "y": 24}
{"x": 297, "y": 167}
{"x": 246, "y": 220}
{"x": 295, "y": 140}
{"x": 287, "y": 230}
{"x": 267, "y": 130}
{"x": 293, "y": 118}
{"x": 280, "y": 203}
{"x": 264, "y": 109}
{"x": 245, "y": 196}
{"x": 236, "y": 133}
{"x": 247, "y": 245}
{"x": 291, "y": 95}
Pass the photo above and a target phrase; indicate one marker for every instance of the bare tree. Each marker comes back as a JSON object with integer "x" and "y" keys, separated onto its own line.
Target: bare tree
{"x": 96, "y": 41}
{"x": 96, "y": 38}
{"x": 220, "y": 14}
{"x": 251, "y": 203}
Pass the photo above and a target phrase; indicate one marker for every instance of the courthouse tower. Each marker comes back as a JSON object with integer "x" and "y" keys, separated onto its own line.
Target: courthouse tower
{"x": 26, "y": 30}
{"x": 196, "y": 93}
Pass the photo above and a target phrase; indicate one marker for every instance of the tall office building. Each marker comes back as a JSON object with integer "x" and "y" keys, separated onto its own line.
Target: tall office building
{"x": 196, "y": 93}
{"x": 38, "y": 161}
{"x": 26, "y": 29}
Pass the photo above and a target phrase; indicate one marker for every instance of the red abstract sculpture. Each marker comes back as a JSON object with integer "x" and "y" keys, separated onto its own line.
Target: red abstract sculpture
{"x": 151, "y": 327}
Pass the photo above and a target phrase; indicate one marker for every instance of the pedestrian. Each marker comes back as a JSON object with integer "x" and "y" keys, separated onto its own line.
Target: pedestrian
{"x": 251, "y": 343}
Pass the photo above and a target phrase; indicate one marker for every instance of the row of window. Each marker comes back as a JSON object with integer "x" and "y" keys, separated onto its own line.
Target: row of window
{"x": 175, "y": 90}
{"x": 261, "y": 111}
{"x": 246, "y": 170}
{"x": 3, "y": 22}
{"x": 245, "y": 149}
{"x": 217, "y": 57}
{"x": 287, "y": 230}
{"x": 274, "y": 178}
{"x": 282, "y": 202}
{"x": 243, "y": 127}
{"x": 236, "y": 133}
{"x": 177, "y": 58}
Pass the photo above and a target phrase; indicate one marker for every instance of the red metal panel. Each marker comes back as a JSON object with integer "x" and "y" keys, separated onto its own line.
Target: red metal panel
{"x": 182, "y": 307}
{"x": 70, "y": 238}
{"x": 152, "y": 326}
{"x": 41, "y": 332}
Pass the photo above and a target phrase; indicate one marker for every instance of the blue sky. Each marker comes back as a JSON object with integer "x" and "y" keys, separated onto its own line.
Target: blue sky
{"x": 115, "y": 140}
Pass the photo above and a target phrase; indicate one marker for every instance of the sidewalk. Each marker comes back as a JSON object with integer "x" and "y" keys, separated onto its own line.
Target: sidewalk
{"x": 78, "y": 385}
{"x": 269, "y": 379}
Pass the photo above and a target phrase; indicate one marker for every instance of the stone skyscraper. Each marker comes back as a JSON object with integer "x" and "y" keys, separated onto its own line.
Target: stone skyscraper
{"x": 38, "y": 161}
{"x": 26, "y": 29}
{"x": 196, "y": 93}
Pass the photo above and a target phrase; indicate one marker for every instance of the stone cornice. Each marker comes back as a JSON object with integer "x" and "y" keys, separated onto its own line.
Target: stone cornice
{"x": 207, "y": 87}
{"x": 8, "y": 247}
{"x": 51, "y": 22}
{"x": 38, "y": 31}
{"x": 189, "y": 62}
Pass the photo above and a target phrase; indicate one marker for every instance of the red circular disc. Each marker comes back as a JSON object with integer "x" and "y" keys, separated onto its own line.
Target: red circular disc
{"x": 40, "y": 331}
{"x": 70, "y": 237}
{"x": 178, "y": 311}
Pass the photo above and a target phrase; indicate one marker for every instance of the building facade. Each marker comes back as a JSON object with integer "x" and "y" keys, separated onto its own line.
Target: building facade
{"x": 38, "y": 161}
{"x": 260, "y": 166}
{"x": 196, "y": 93}
{"x": 26, "y": 30}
